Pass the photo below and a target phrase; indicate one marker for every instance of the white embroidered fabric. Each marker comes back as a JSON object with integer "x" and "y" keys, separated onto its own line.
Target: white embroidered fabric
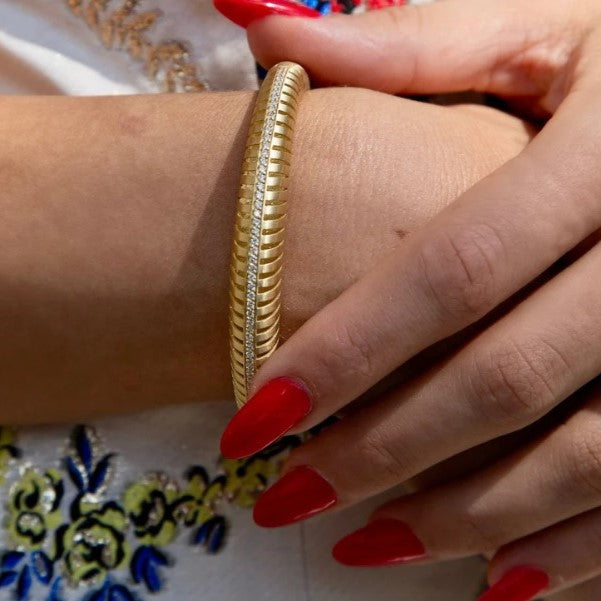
{"x": 45, "y": 48}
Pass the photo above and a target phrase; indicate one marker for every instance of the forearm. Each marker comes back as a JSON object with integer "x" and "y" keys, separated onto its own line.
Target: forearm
{"x": 117, "y": 217}
{"x": 116, "y": 233}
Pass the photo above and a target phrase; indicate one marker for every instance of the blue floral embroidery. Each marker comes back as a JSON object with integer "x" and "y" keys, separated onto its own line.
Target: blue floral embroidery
{"x": 23, "y": 569}
{"x": 105, "y": 538}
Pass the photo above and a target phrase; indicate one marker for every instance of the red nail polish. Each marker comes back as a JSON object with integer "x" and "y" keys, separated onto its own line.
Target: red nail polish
{"x": 243, "y": 12}
{"x": 267, "y": 415}
{"x": 377, "y": 4}
{"x": 299, "y": 494}
{"x": 382, "y": 542}
{"x": 518, "y": 584}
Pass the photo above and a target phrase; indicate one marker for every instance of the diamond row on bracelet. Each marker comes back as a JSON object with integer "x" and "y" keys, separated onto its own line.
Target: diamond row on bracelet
{"x": 252, "y": 272}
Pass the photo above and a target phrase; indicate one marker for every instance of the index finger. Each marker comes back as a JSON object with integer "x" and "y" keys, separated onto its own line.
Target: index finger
{"x": 495, "y": 239}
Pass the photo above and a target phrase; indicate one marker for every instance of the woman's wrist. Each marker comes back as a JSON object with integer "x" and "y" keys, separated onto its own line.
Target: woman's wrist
{"x": 117, "y": 227}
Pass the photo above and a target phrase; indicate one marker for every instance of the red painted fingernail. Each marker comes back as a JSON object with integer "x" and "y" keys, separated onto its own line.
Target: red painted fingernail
{"x": 382, "y": 542}
{"x": 243, "y": 12}
{"x": 518, "y": 584}
{"x": 267, "y": 415}
{"x": 377, "y": 4}
{"x": 299, "y": 494}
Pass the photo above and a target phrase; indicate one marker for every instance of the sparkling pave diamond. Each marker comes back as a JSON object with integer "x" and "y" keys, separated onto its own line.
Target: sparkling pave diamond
{"x": 252, "y": 273}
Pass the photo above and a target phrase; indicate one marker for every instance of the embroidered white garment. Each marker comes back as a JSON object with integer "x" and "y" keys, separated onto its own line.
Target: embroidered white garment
{"x": 138, "y": 507}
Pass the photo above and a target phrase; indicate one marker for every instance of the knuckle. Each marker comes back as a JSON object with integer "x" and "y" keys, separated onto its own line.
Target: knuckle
{"x": 478, "y": 533}
{"x": 458, "y": 271}
{"x": 584, "y": 460}
{"x": 354, "y": 350}
{"x": 385, "y": 461}
{"x": 407, "y": 18}
{"x": 344, "y": 353}
{"x": 515, "y": 385}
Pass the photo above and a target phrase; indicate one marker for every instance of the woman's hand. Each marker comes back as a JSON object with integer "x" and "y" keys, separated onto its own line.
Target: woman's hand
{"x": 540, "y": 506}
{"x": 117, "y": 217}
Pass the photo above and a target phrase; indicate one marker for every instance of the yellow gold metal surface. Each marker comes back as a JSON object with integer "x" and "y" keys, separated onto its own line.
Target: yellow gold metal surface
{"x": 256, "y": 263}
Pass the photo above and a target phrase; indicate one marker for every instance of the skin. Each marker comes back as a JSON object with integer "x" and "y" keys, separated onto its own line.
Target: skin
{"x": 117, "y": 220}
{"x": 498, "y": 238}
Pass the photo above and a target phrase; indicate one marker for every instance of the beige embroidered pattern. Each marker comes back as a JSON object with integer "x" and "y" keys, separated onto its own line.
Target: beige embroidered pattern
{"x": 123, "y": 25}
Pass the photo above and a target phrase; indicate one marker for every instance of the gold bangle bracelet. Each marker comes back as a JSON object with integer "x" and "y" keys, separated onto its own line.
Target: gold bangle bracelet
{"x": 256, "y": 263}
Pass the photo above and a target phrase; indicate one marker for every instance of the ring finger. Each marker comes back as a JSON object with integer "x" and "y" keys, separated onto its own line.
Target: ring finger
{"x": 551, "y": 480}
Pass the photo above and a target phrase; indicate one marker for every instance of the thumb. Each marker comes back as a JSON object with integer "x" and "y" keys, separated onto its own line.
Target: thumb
{"x": 445, "y": 46}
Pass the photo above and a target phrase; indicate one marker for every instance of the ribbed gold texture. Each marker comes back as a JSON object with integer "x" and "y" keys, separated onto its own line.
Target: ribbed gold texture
{"x": 258, "y": 241}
